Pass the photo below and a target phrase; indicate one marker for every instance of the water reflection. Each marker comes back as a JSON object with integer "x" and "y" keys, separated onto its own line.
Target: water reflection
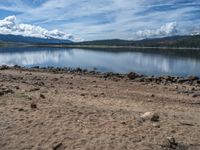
{"x": 149, "y": 63}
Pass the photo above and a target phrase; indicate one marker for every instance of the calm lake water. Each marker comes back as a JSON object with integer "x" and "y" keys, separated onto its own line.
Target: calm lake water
{"x": 149, "y": 62}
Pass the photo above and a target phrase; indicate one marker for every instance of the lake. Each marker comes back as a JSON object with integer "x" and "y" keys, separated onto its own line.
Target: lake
{"x": 145, "y": 61}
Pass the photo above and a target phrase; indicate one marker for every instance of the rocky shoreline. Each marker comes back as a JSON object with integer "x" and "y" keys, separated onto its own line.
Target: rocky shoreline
{"x": 190, "y": 80}
{"x": 193, "y": 81}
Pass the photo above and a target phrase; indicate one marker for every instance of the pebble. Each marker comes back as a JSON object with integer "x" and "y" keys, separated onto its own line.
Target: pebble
{"x": 1, "y": 93}
{"x": 82, "y": 94}
{"x": 33, "y": 106}
{"x": 195, "y": 95}
{"x": 156, "y": 124}
{"x": 171, "y": 140}
{"x": 20, "y": 109}
{"x": 57, "y": 146}
{"x": 95, "y": 95}
{"x": 154, "y": 117}
{"x": 149, "y": 100}
{"x": 42, "y": 96}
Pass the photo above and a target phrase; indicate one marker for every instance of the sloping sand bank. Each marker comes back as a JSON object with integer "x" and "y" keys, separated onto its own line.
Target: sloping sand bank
{"x": 44, "y": 110}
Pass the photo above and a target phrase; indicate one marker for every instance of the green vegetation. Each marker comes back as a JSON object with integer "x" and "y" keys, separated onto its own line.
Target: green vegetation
{"x": 2, "y": 44}
{"x": 175, "y": 41}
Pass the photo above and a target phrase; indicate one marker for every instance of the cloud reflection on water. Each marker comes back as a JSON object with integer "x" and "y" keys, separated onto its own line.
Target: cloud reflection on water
{"x": 145, "y": 63}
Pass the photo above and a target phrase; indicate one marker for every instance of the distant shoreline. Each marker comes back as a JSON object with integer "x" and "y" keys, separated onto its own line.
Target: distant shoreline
{"x": 107, "y": 46}
{"x": 128, "y": 47}
{"x": 94, "y": 46}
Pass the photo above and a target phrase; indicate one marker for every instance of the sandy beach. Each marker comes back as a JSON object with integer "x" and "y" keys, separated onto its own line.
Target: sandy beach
{"x": 43, "y": 110}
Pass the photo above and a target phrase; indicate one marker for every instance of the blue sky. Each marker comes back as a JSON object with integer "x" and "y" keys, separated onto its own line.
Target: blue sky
{"x": 107, "y": 19}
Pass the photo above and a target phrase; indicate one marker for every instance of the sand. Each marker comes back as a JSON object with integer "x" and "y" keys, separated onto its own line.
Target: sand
{"x": 41, "y": 111}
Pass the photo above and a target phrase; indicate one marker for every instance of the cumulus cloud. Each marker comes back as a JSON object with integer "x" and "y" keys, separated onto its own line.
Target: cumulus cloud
{"x": 9, "y": 26}
{"x": 168, "y": 29}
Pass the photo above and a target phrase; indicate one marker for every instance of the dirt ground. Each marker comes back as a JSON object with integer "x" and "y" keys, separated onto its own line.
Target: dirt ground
{"x": 44, "y": 111}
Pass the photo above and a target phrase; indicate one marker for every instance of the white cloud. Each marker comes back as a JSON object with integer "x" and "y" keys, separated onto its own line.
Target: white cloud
{"x": 9, "y": 26}
{"x": 94, "y": 19}
{"x": 168, "y": 29}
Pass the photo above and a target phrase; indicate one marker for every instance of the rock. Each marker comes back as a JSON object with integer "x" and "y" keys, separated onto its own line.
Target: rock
{"x": 42, "y": 96}
{"x": 195, "y": 95}
{"x": 148, "y": 79}
{"x": 4, "y": 67}
{"x": 156, "y": 124}
{"x": 20, "y": 109}
{"x": 184, "y": 91}
{"x": 82, "y": 94}
{"x": 35, "y": 67}
{"x": 182, "y": 80}
{"x": 56, "y": 92}
{"x": 133, "y": 75}
{"x": 124, "y": 123}
{"x": 139, "y": 79}
{"x": 85, "y": 70}
{"x": 78, "y": 70}
{"x": 172, "y": 142}
{"x": 154, "y": 117}
{"x": 44, "y": 91}
{"x": 102, "y": 93}
{"x": 149, "y": 100}
{"x": 95, "y": 95}
{"x": 193, "y": 78}
{"x": 34, "y": 89}
{"x": 196, "y": 82}
{"x": 186, "y": 124}
{"x": 1, "y": 93}
{"x": 17, "y": 87}
{"x": 168, "y": 78}
{"x": 6, "y": 91}
{"x": 105, "y": 76}
{"x": 33, "y": 106}
{"x": 57, "y": 146}
{"x": 192, "y": 89}
{"x": 17, "y": 66}
{"x": 40, "y": 84}
{"x": 54, "y": 79}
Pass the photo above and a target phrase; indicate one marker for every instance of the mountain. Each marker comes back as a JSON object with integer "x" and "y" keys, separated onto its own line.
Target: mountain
{"x": 190, "y": 41}
{"x": 173, "y": 41}
{"x": 31, "y": 40}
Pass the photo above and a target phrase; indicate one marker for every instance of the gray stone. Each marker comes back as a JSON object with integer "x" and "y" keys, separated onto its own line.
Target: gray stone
{"x": 154, "y": 117}
{"x": 133, "y": 75}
